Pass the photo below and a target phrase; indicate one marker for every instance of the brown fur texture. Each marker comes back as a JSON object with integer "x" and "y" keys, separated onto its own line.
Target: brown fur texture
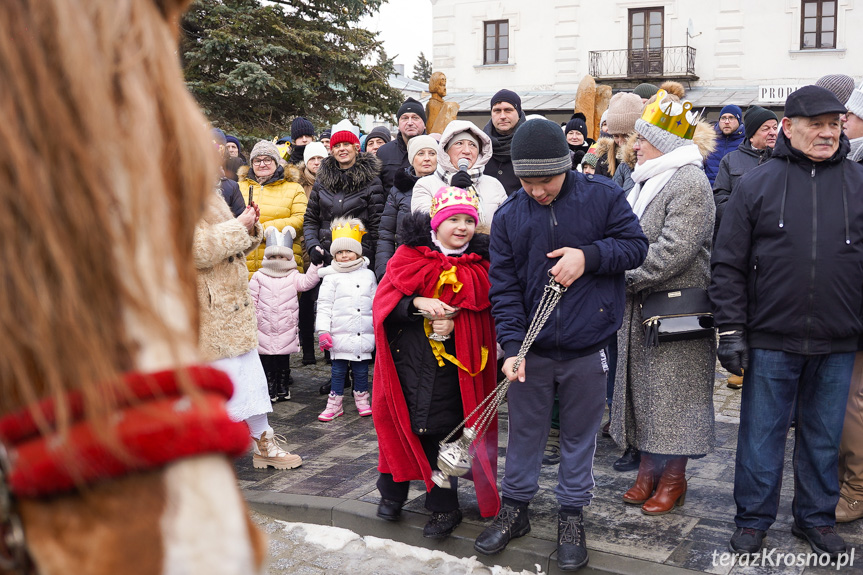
{"x": 605, "y": 147}
{"x": 107, "y": 165}
{"x": 229, "y": 326}
{"x": 80, "y": 531}
{"x": 107, "y": 152}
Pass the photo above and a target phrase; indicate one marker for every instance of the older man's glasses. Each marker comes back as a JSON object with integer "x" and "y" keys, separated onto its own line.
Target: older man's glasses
{"x": 262, "y": 161}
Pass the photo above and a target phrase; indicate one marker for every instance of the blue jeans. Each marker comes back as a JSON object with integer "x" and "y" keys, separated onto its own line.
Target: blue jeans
{"x": 359, "y": 370}
{"x": 774, "y": 380}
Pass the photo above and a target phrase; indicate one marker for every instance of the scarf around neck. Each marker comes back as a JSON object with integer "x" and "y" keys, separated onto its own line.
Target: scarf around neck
{"x": 347, "y": 267}
{"x": 856, "y": 153}
{"x": 447, "y": 251}
{"x": 501, "y": 145}
{"x": 651, "y": 176}
{"x": 277, "y": 268}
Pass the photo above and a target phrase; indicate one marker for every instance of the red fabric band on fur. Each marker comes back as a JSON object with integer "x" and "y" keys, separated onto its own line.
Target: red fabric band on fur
{"x": 149, "y": 434}
{"x": 137, "y": 387}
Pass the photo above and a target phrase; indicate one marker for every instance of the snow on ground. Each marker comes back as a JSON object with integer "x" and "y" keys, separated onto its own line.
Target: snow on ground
{"x": 308, "y": 549}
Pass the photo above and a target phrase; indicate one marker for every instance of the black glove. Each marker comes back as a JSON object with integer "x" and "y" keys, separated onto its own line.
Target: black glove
{"x": 461, "y": 180}
{"x": 316, "y": 254}
{"x": 733, "y": 351}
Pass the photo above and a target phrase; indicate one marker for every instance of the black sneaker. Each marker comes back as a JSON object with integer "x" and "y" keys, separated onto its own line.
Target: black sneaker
{"x": 746, "y": 540}
{"x": 630, "y": 460}
{"x": 571, "y": 547}
{"x": 511, "y": 522}
{"x": 442, "y": 524}
{"x": 390, "y": 510}
{"x": 823, "y": 539}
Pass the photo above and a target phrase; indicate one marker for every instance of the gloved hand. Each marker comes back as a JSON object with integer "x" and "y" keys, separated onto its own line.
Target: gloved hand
{"x": 461, "y": 180}
{"x": 733, "y": 351}
{"x": 316, "y": 254}
{"x": 325, "y": 341}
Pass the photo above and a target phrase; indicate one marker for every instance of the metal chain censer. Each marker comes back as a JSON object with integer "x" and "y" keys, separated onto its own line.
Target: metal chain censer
{"x": 454, "y": 458}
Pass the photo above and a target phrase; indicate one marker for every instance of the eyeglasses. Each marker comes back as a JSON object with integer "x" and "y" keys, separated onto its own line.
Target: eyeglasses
{"x": 727, "y": 119}
{"x": 639, "y": 140}
{"x": 262, "y": 161}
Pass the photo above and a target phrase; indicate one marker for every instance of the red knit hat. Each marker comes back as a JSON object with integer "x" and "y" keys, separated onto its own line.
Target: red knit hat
{"x": 343, "y": 136}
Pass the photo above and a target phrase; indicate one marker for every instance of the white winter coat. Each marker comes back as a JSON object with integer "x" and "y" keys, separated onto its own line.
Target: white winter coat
{"x": 489, "y": 190}
{"x": 345, "y": 312}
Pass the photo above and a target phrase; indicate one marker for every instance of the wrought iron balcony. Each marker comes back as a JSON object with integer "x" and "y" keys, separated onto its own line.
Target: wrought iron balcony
{"x": 670, "y": 62}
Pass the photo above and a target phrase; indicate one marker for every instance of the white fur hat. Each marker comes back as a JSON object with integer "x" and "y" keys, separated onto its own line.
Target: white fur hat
{"x": 280, "y": 243}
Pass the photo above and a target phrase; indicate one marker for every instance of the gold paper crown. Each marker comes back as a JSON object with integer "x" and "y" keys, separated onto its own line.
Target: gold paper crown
{"x": 451, "y": 196}
{"x": 350, "y": 232}
{"x": 678, "y": 125}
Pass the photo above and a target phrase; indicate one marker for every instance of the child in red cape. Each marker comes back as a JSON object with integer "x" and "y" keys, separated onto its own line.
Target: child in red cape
{"x": 425, "y": 388}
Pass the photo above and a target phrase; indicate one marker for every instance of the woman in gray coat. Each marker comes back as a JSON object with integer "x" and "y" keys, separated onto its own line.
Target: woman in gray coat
{"x": 663, "y": 395}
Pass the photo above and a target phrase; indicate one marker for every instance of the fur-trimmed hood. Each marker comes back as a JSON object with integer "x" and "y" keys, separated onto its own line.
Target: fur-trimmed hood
{"x": 357, "y": 177}
{"x": 416, "y": 232}
{"x": 704, "y": 138}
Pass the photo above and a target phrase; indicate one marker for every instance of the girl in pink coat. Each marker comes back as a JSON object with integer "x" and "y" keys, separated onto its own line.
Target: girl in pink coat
{"x": 275, "y": 290}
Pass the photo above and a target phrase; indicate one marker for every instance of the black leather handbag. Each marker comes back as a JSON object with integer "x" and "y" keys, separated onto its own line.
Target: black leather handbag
{"x": 676, "y": 315}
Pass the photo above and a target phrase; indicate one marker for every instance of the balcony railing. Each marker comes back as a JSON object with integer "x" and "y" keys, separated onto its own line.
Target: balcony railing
{"x": 669, "y": 62}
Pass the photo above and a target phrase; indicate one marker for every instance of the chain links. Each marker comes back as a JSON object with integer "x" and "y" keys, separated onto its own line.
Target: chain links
{"x": 550, "y": 296}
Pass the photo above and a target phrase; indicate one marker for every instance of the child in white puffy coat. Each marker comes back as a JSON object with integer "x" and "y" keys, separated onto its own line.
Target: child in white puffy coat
{"x": 344, "y": 317}
{"x": 275, "y": 290}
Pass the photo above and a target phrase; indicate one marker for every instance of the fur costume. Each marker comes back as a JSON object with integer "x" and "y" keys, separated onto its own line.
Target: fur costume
{"x": 415, "y": 269}
{"x": 220, "y": 249}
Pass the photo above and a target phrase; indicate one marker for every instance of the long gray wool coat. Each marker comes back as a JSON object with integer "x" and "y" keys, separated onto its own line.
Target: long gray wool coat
{"x": 663, "y": 396}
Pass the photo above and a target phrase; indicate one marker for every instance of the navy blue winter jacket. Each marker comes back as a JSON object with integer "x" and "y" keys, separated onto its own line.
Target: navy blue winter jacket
{"x": 590, "y": 214}
{"x": 724, "y": 145}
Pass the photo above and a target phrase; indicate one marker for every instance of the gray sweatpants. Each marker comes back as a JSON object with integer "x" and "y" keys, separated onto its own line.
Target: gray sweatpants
{"x": 580, "y": 386}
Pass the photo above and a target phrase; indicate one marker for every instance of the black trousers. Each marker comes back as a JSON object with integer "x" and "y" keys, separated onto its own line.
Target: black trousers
{"x": 306, "y": 323}
{"x": 273, "y": 364}
{"x": 438, "y": 500}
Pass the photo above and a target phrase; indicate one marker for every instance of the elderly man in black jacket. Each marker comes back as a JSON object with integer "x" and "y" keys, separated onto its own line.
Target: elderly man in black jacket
{"x": 787, "y": 290}
{"x": 394, "y": 155}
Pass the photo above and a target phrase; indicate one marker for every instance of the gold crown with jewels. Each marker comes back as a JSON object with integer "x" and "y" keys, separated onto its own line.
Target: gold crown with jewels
{"x": 678, "y": 125}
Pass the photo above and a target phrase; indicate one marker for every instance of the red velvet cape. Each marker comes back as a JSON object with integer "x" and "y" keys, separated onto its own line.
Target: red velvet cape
{"x": 415, "y": 271}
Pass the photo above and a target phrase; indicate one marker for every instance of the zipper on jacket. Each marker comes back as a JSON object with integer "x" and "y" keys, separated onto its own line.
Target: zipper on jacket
{"x": 812, "y": 266}
{"x": 556, "y": 308}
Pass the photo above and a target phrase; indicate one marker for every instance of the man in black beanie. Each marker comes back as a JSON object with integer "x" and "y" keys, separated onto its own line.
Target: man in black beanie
{"x": 583, "y": 232}
{"x": 506, "y": 117}
{"x": 302, "y": 133}
{"x": 761, "y": 128}
{"x": 394, "y": 155}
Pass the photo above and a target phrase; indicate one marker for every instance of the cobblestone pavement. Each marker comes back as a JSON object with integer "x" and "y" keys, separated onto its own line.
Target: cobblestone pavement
{"x": 340, "y": 460}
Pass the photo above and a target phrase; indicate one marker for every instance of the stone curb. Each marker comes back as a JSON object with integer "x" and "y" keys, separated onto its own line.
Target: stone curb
{"x": 524, "y": 553}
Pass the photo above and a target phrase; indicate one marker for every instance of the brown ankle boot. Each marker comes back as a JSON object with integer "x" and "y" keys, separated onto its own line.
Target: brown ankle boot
{"x": 671, "y": 489}
{"x": 644, "y": 483}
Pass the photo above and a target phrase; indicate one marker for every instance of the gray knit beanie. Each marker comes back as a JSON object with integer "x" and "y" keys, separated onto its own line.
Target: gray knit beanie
{"x": 264, "y": 148}
{"x": 840, "y": 84}
{"x": 855, "y": 102}
{"x": 623, "y": 110}
{"x": 539, "y": 149}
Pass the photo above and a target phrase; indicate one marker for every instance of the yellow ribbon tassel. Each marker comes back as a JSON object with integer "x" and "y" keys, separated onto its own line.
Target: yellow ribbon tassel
{"x": 448, "y": 277}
